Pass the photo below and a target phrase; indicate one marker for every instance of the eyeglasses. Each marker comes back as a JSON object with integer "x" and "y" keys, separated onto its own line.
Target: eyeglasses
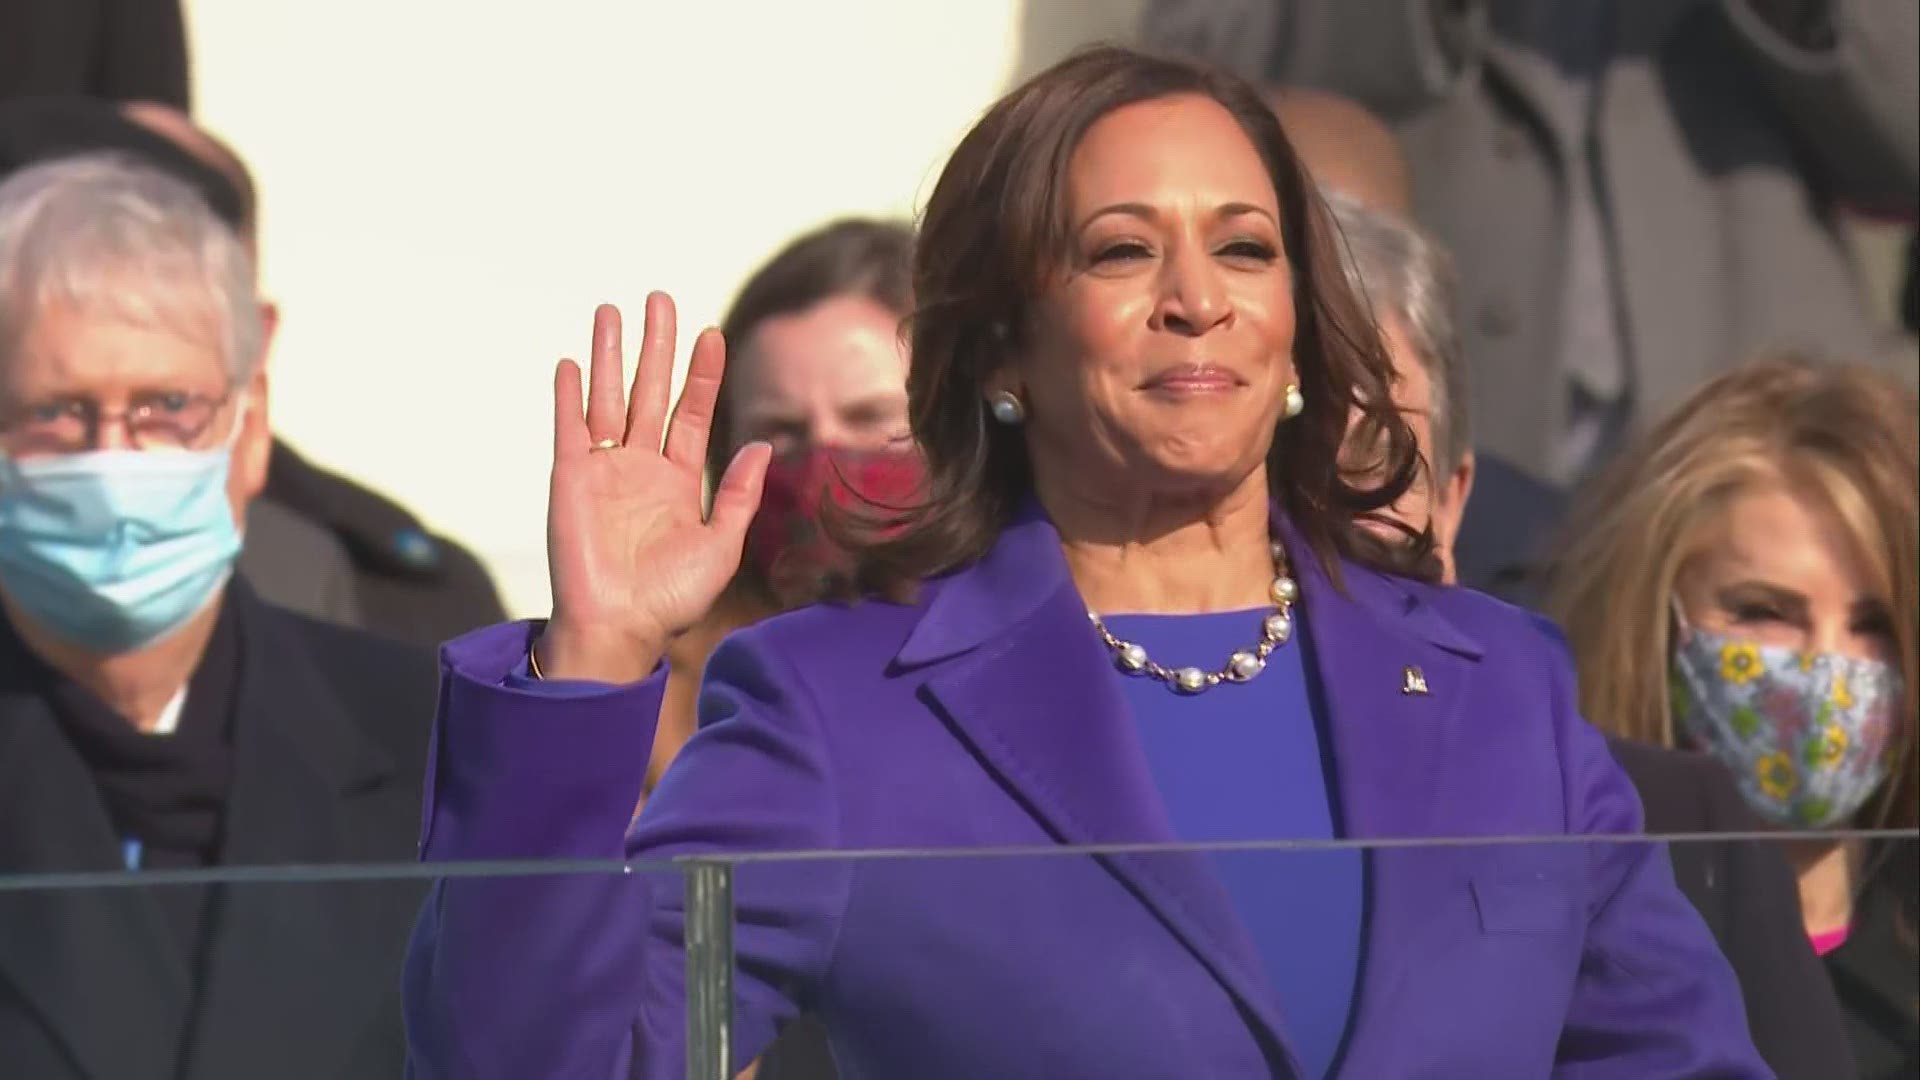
{"x": 160, "y": 420}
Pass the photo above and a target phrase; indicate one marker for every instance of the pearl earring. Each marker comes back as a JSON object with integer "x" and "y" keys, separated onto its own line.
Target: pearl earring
{"x": 1006, "y": 407}
{"x": 1296, "y": 402}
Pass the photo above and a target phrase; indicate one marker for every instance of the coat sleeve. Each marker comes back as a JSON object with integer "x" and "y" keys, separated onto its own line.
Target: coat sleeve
{"x": 582, "y": 974}
{"x": 1845, "y": 80}
{"x": 1654, "y": 997}
{"x": 1392, "y": 56}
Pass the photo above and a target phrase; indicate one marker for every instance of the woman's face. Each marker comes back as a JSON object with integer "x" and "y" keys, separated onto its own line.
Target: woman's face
{"x": 834, "y": 375}
{"x": 1778, "y": 569}
{"x": 1159, "y": 359}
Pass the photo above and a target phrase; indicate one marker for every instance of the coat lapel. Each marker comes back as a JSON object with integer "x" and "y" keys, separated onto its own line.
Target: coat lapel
{"x": 1022, "y": 678}
{"x": 1390, "y": 743}
{"x": 1370, "y": 640}
{"x": 98, "y": 965}
{"x": 279, "y": 956}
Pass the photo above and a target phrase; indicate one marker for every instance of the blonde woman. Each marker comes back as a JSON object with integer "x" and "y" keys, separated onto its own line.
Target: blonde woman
{"x": 1743, "y": 582}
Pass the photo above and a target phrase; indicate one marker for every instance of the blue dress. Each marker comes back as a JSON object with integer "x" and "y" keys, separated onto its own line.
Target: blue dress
{"x": 1251, "y": 761}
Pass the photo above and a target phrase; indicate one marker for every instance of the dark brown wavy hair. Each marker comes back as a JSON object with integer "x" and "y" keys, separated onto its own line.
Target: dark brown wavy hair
{"x": 993, "y": 236}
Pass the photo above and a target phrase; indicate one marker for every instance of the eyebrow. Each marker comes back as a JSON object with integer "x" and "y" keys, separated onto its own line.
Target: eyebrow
{"x": 874, "y": 402}
{"x": 751, "y": 418}
{"x": 64, "y": 393}
{"x": 1148, "y": 213}
{"x": 1871, "y": 607}
{"x": 1746, "y": 590}
{"x": 1789, "y": 599}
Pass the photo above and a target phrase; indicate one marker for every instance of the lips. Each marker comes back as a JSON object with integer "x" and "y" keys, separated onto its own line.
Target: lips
{"x": 1192, "y": 379}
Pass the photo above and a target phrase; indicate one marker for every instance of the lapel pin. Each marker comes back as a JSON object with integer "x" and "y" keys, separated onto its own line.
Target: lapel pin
{"x": 1416, "y": 683}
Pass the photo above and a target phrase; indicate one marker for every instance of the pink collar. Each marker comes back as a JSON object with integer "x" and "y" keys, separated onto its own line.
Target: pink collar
{"x": 1829, "y": 941}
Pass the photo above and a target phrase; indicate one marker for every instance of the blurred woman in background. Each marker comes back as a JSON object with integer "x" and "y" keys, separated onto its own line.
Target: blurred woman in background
{"x": 1744, "y": 583}
{"x": 818, "y": 370}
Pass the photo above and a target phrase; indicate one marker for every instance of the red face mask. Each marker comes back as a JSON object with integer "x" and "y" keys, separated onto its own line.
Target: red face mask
{"x": 797, "y": 560}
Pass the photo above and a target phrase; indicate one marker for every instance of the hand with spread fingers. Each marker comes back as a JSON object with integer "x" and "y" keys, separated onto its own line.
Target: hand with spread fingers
{"x": 632, "y": 558}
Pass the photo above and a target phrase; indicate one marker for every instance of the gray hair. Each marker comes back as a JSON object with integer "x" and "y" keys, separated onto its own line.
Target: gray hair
{"x": 113, "y": 237}
{"x": 1404, "y": 273}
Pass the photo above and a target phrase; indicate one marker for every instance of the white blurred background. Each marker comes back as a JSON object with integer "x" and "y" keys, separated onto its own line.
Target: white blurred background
{"x": 448, "y": 188}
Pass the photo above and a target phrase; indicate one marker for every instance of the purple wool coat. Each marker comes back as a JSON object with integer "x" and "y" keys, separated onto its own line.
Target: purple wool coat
{"x": 985, "y": 714}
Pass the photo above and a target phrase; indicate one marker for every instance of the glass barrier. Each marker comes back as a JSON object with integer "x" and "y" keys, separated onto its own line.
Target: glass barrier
{"x": 287, "y": 972}
{"x": 1496, "y": 957}
{"x": 1475, "y": 956}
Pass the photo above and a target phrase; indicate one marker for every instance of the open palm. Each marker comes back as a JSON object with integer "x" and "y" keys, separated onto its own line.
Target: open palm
{"x": 632, "y": 558}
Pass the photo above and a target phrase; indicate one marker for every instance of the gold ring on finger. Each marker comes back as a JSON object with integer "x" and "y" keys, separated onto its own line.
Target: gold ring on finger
{"x": 606, "y": 444}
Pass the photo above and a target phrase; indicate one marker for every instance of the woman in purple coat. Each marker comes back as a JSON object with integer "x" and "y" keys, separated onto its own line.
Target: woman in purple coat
{"x": 1134, "y": 606}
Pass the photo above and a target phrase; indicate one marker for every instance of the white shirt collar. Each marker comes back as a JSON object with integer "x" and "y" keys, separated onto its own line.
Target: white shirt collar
{"x": 169, "y": 721}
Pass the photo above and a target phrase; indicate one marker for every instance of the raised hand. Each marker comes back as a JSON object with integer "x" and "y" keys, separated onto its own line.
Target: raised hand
{"x": 631, "y": 557}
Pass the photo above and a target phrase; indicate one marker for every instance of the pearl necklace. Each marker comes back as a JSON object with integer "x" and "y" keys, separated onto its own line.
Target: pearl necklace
{"x": 1275, "y": 629}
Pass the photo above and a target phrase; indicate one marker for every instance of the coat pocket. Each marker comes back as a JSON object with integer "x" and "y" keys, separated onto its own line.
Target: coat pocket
{"x": 1522, "y": 903}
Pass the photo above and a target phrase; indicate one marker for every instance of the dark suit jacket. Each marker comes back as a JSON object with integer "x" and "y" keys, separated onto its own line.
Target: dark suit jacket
{"x": 121, "y": 50}
{"x": 1507, "y": 533}
{"x": 1874, "y": 972}
{"x": 300, "y": 981}
{"x": 45, "y": 126}
{"x": 1746, "y": 893}
{"x": 295, "y": 564}
{"x": 409, "y": 584}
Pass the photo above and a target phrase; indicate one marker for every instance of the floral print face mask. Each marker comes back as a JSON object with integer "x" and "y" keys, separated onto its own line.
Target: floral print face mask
{"x": 1806, "y": 734}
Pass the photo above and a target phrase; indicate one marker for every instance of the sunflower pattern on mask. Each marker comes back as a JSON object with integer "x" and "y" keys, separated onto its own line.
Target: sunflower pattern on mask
{"x": 1776, "y": 775}
{"x": 1842, "y": 699}
{"x": 1740, "y": 663}
{"x": 1804, "y": 734}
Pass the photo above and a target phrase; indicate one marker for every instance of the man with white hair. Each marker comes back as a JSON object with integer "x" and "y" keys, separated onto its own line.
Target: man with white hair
{"x": 154, "y": 714}
{"x": 316, "y": 541}
{"x": 405, "y": 581}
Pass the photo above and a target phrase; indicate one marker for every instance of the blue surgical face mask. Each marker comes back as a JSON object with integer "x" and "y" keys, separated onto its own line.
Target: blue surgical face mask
{"x": 111, "y": 550}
